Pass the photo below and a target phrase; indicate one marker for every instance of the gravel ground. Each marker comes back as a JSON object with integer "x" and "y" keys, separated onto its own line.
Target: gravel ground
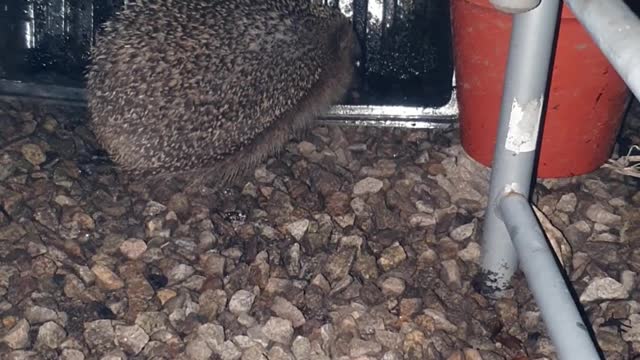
{"x": 355, "y": 243}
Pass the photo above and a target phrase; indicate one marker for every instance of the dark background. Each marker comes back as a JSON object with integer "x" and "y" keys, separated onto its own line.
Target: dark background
{"x": 407, "y": 46}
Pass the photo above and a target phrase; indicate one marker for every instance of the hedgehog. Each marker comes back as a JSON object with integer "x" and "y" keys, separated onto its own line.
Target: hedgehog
{"x": 208, "y": 89}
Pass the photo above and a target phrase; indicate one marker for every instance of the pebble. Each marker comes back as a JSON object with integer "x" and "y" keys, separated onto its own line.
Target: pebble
{"x": 133, "y": 248}
{"x": 50, "y": 335}
{"x": 441, "y": 321}
{"x": 64, "y": 200}
{"x": 338, "y": 204}
{"x": 301, "y": 348}
{"x": 286, "y": 310}
{"x": 197, "y": 349}
{"x": 107, "y": 279}
{"x": 241, "y": 302}
{"x": 392, "y": 256}
{"x": 368, "y": 185}
{"x": 257, "y": 335}
{"x": 359, "y": 347}
{"x": 18, "y": 337}
{"x": 180, "y": 273}
{"x": 463, "y": 232}
{"x": 263, "y": 175}
{"x": 278, "y": 330}
{"x": 12, "y": 232}
{"x": 632, "y": 334}
{"x": 567, "y": 203}
{"x": 99, "y": 334}
{"x": 451, "y": 273}
{"x": 38, "y": 314}
{"x": 33, "y": 153}
{"x": 339, "y": 264}
{"x": 306, "y": 148}
{"x": 254, "y": 353}
{"x": 604, "y": 289}
{"x": 297, "y": 229}
{"x": 165, "y": 295}
{"x": 154, "y": 208}
{"x": 214, "y": 264}
{"x": 213, "y": 335}
{"x": 471, "y": 253}
{"x": 131, "y": 339}
{"x": 278, "y": 353}
{"x": 228, "y": 351}
{"x": 71, "y": 354}
{"x": 393, "y": 286}
{"x": 628, "y": 279}
{"x": 597, "y": 213}
{"x": 422, "y": 220}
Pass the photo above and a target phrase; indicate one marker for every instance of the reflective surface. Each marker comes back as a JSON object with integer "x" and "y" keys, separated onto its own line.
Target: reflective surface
{"x": 406, "y": 58}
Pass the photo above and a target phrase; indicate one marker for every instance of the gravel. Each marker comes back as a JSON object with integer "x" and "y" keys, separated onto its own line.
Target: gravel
{"x": 354, "y": 243}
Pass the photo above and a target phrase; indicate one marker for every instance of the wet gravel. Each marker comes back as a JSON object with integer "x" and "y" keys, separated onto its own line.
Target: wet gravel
{"x": 354, "y": 243}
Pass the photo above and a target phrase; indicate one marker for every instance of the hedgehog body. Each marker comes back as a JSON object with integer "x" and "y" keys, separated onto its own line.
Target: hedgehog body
{"x": 210, "y": 88}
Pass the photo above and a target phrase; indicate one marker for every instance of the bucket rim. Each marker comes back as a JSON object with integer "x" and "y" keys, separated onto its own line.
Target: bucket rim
{"x": 566, "y": 12}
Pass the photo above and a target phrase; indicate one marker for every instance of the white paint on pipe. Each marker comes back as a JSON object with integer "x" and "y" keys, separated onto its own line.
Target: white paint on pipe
{"x": 524, "y": 124}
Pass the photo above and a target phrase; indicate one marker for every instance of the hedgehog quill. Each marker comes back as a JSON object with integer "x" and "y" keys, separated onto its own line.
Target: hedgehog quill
{"x": 208, "y": 89}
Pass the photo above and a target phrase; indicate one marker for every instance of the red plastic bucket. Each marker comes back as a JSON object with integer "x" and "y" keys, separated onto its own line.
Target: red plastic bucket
{"x": 586, "y": 102}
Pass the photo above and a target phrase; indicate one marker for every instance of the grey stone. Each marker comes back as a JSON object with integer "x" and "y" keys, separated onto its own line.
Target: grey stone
{"x": 604, "y": 289}
{"x": 632, "y": 334}
{"x": 278, "y": 353}
{"x": 301, "y": 348}
{"x": 197, "y": 349}
{"x": 131, "y": 339}
{"x": 228, "y": 351}
{"x": 71, "y": 354}
{"x": 180, "y": 273}
{"x": 18, "y": 336}
{"x": 392, "y": 355}
{"x": 470, "y": 254}
{"x": 567, "y": 203}
{"x": 213, "y": 334}
{"x": 133, "y": 248}
{"x": 244, "y": 342}
{"x": 99, "y": 335}
{"x": 422, "y": 220}
{"x": 441, "y": 321}
{"x": 38, "y": 315}
{"x": 153, "y": 209}
{"x": 278, "y": 330}
{"x": 451, "y": 273}
{"x": 50, "y": 335}
{"x": 21, "y": 355}
{"x": 359, "y": 347}
{"x": 254, "y": 353}
{"x": 598, "y": 213}
{"x": 368, "y": 185}
{"x": 392, "y": 256}
{"x": 256, "y": 334}
{"x": 152, "y": 321}
{"x": 463, "y": 232}
{"x": 286, "y": 310}
{"x": 107, "y": 279}
{"x": 241, "y": 302}
{"x": 393, "y": 286}
{"x": 339, "y": 264}
{"x": 297, "y": 229}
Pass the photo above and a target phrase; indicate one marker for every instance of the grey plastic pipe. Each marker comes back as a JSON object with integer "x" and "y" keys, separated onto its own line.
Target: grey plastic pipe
{"x": 616, "y": 30}
{"x": 532, "y": 41}
{"x": 559, "y": 312}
